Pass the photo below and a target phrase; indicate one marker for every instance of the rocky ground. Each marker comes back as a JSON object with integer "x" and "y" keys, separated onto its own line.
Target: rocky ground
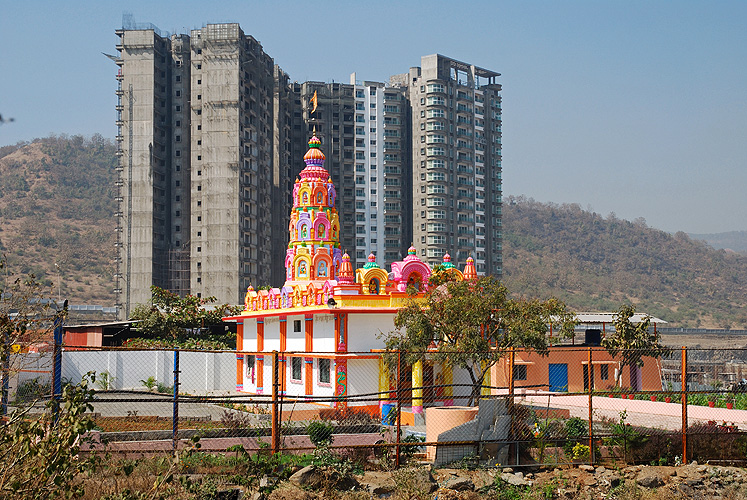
{"x": 693, "y": 481}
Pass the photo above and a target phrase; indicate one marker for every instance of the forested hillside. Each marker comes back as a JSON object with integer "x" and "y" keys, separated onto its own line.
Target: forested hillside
{"x": 596, "y": 263}
{"x": 57, "y": 207}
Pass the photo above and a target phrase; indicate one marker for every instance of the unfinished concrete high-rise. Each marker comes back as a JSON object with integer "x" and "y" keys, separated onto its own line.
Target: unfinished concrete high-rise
{"x": 204, "y": 139}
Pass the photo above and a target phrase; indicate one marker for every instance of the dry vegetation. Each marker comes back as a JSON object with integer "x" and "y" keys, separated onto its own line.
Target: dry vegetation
{"x": 57, "y": 206}
{"x": 596, "y": 263}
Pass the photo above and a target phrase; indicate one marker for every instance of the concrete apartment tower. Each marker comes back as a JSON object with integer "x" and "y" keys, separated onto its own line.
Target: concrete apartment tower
{"x": 204, "y": 135}
{"x": 456, "y": 158}
{"x": 152, "y": 84}
{"x": 364, "y": 129}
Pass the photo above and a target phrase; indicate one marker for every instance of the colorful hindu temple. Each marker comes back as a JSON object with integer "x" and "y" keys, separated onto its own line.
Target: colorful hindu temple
{"x": 327, "y": 320}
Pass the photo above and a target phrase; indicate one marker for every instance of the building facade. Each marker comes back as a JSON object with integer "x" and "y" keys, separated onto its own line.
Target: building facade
{"x": 365, "y": 128}
{"x": 456, "y": 157}
{"x": 205, "y": 125}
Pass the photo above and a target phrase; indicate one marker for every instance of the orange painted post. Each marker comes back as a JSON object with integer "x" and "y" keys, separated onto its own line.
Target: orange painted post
{"x": 283, "y": 345}
{"x": 510, "y": 400}
{"x": 399, "y": 410}
{"x": 260, "y": 362}
{"x": 309, "y": 361}
{"x": 684, "y": 404}
{"x": 275, "y": 446}
{"x": 590, "y": 372}
{"x": 240, "y": 357}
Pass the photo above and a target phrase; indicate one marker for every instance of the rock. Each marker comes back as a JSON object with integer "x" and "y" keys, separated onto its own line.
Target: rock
{"x": 304, "y": 477}
{"x": 379, "y": 484}
{"x": 459, "y": 484}
{"x": 590, "y": 481}
{"x": 693, "y": 482}
{"x": 586, "y": 467}
{"x": 614, "y": 480}
{"x": 519, "y": 474}
{"x": 313, "y": 477}
{"x": 600, "y": 470}
{"x": 508, "y": 470}
{"x": 650, "y": 479}
{"x": 514, "y": 480}
{"x": 257, "y": 496}
{"x": 232, "y": 494}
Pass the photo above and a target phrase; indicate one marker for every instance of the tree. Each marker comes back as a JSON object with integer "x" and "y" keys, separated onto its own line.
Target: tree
{"x": 632, "y": 341}
{"x": 170, "y": 316}
{"x": 471, "y": 325}
{"x": 27, "y": 316}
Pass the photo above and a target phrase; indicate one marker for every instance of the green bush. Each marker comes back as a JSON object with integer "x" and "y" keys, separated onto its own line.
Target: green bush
{"x": 320, "y": 433}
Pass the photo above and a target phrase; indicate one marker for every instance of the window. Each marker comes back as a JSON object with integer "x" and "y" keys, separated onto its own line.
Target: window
{"x": 297, "y": 325}
{"x": 250, "y": 363}
{"x": 604, "y": 372}
{"x": 296, "y": 369}
{"x": 520, "y": 372}
{"x": 324, "y": 369}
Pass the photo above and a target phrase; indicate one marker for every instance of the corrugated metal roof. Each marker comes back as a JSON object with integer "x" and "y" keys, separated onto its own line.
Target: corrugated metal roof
{"x": 609, "y": 317}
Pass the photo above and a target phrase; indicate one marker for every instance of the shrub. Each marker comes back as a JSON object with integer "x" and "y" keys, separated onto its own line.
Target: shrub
{"x": 320, "y": 433}
{"x": 43, "y": 453}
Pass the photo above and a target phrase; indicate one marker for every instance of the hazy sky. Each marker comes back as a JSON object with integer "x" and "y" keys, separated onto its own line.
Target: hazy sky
{"x": 636, "y": 107}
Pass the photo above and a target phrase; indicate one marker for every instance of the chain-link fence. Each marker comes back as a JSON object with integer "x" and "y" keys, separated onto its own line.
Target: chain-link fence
{"x": 571, "y": 404}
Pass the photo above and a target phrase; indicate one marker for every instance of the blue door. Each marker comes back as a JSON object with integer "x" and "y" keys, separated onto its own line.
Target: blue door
{"x": 558, "y": 377}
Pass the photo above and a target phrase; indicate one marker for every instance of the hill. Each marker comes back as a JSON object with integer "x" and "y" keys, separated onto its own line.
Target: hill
{"x": 596, "y": 263}
{"x": 736, "y": 241}
{"x": 57, "y": 207}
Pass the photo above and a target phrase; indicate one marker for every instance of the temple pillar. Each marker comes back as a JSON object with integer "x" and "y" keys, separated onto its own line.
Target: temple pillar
{"x": 417, "y": 387}
{"x": 447, "y": 377}
{"x": 486, "y": 390}
{"x": 383, "y": 382}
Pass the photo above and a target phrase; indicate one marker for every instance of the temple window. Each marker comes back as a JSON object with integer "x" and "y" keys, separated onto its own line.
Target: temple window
{"x": 306, "y": 198}
{"x": 296, "y": 366}
{"x": 318, "y": 198}
{"x": 304, "y": 232}
{"x": 322, "y": 269}
{"x": 302, "y": 269}
{"x": 320, "y": 231}
{"x": 324, "y": 369}
{"x": 373, "y": 286}
{"x": 250, "y": 368}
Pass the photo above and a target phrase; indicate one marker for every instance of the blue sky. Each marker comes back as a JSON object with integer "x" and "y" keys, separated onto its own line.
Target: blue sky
{"x": 632, "y": 107}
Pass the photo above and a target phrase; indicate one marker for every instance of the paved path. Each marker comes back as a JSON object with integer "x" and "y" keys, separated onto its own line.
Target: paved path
{"x": 652, "y": 414}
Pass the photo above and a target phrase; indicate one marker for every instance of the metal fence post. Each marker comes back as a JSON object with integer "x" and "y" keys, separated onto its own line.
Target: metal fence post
{"x": 590, "y": 379}
{"x": 57, "y": 363}
{"x": 511, "y": 402}
{"x": 275, "y": 406}
{"x": 175, "y": 405}
{"x": 684, "y": 404}
{"x": 399, "y": 411}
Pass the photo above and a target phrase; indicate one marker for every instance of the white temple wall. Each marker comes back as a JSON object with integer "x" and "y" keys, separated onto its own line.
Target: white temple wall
{"x": 365, "y": 331}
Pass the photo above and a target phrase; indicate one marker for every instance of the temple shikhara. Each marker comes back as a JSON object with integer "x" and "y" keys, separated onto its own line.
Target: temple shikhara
{"x": 327, "y": 320}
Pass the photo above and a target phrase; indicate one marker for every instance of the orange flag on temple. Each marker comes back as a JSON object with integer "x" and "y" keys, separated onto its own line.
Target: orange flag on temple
{"x": 314, "y": 102}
